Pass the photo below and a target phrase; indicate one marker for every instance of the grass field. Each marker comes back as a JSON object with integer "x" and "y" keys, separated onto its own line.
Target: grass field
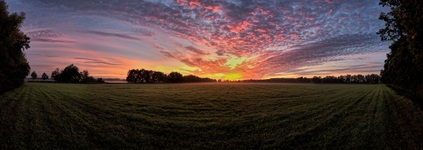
{"x": 215, "y": 116}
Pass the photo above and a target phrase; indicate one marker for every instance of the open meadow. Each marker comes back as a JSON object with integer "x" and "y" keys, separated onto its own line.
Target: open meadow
{"x": 210, "y": 116}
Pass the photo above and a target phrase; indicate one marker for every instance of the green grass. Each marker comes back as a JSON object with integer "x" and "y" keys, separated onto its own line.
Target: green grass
{"x": 213, "y": 116}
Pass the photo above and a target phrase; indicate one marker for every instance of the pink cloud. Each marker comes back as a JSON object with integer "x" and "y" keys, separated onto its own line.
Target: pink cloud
{"x": 200, "y": 36}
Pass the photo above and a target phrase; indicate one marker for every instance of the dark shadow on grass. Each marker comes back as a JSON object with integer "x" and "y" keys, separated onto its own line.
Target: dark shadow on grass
{"x": 409, "y": 94}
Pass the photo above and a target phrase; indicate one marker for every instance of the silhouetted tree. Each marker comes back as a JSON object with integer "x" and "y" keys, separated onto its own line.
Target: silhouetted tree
{"x": 142, "y": 76}
{"x": 372, "y": 78}
{"x": 85, "y": 74}
{"x": 175, "y": 77}
{"x": 13, "y": 65}
{"x": 191, "y": 78}
{"x": 100, "y": 80}
{"x": 89, "y": 79}
{"x": 360, "y": 78}
{"x": 86, "y": 78}
{"x": 44, "y": 76}
{"x": 348, "y": 78}
{"x": 317, "y": 79}
{"x": 150, "y": 76}
{"x": 145, "y": 76}
{"x": 131, "y": 76}
{"x": 69, "y": 75}
{"x": 208, "y": 80}
{"x": 404, "y": 27}
{"x": 332, "y": 79}
{"x": 137, "y": 76}
{"x": 34, "y": 75}
{"x": 54, "y": 74}
{"x": 159, "y": 77}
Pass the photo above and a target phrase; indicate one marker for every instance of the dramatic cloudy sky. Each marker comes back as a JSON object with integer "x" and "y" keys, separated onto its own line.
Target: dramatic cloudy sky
{"x": 231, "y": 39}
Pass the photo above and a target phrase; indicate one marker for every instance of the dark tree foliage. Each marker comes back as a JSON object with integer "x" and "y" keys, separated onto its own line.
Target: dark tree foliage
{"x": 100, "y": 80}
{"x": 404, "y": 26}
{"x": 193, "y": 78}
{"x": 159, "y": 77}
{"x": 150, "y": 76}
{"x": 145, "y": 76}
{"x": 34, "y": 75}
{"x": 316, "y": 79}
{"x": 86, "y": 78}
{"x": 332, "y": 79}
{"x": 369, "y": 79}
{"x": 175, "y": 77}
{"x": 55, "y": 73}
{"x": 89, "y": 79}
{"x": 131, "y": 76}
{"x": 13, "y": 64}
{"x": 84, "y": 74}
{"x": 44, "y": 76}
{"x": 69, "y": 75}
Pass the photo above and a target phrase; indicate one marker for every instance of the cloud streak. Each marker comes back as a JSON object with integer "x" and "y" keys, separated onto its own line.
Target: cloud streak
{"x": 115, "y": 35}
{"x": 48, "y": 36}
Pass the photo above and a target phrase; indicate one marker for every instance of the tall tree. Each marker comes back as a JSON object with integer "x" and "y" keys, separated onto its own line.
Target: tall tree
{"x": 34, "y": 75}
{"x": 131, "y": 77}
{"x": 84, "y": 76}
{"x": 404, "y": 27}
{"x": 55, "y": 74}
{"x": 13, "y": 64}
{"x": 44, "y": 76}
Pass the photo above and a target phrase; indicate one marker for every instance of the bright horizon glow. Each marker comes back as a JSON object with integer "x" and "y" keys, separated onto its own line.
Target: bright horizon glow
{"x": 228, "y": 40}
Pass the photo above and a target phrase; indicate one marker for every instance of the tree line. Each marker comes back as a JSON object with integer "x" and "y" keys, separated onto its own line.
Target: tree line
{"x": 369, "y": 79}
{"x": 150, "y": 76}
{"x": 70, "y": 74}
{"x": 404, "y": 27}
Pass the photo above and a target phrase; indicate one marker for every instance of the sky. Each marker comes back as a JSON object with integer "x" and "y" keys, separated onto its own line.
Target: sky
{"x": 231, "y": 39}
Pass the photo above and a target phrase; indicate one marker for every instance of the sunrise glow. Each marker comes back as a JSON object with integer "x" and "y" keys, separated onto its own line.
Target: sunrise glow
{"x": 227, "y": 40}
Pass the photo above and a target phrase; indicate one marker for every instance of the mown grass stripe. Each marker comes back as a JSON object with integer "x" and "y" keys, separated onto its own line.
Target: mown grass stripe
{"x": 194, "y": 116}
